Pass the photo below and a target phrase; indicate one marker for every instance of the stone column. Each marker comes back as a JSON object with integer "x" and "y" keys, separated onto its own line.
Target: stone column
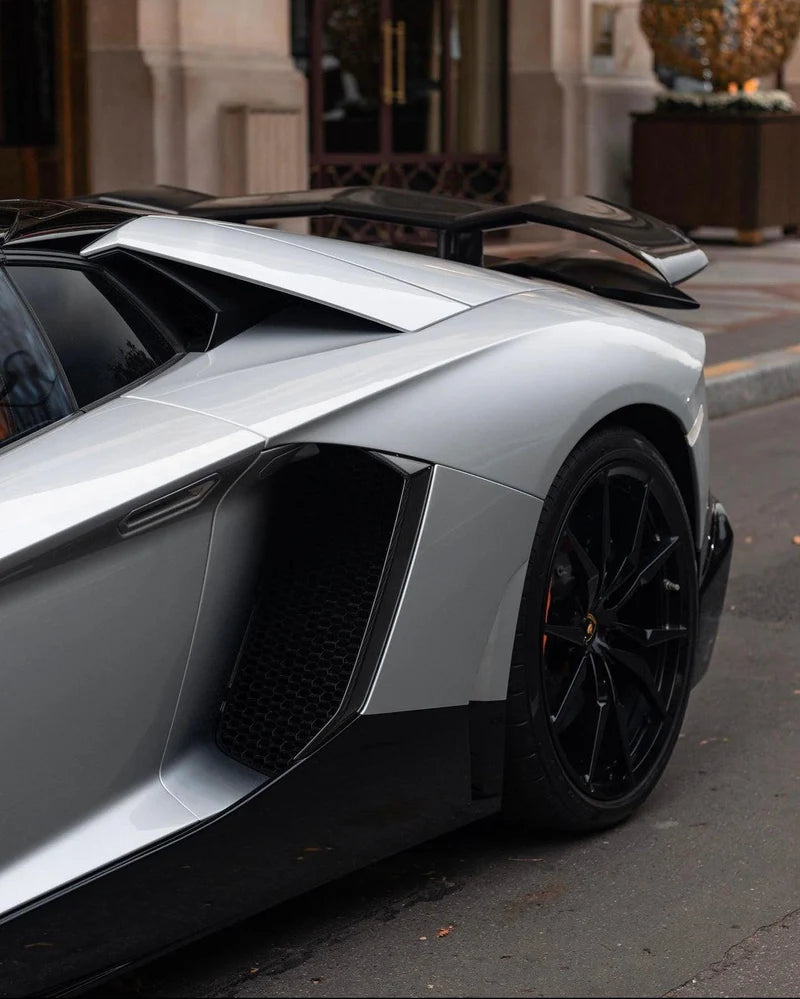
{"x": 791, "y": 73}
{"x": 536, "y": 102}
{"x": 121, "y": 141}
{"x": 569, "y": 122}
{"x": 160, "y": 40}
{"x": 195, "y": 60}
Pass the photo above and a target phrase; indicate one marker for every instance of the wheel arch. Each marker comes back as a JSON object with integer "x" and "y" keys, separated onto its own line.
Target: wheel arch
{"x": 664, "y": 431}
{"x": 549, "y": 779}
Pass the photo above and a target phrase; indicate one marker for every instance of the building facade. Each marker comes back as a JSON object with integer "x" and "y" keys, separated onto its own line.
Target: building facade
{"x": 498, "y": 99}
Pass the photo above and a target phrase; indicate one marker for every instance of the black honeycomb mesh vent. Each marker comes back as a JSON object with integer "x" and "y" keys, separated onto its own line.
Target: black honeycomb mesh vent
{"x": 331, "y": 523}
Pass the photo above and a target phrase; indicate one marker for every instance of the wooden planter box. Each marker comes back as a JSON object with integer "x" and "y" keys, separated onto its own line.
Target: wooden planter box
{"x": 740, "y": 171}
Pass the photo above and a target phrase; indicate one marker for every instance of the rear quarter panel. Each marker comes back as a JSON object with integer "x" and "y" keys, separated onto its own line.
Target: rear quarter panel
{"x": 503, "y": 391}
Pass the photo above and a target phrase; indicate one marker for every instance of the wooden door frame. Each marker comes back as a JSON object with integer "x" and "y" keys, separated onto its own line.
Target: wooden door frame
{"x": 72, "y": 96}
{"x": 317, "y": 93}
{"x": 384, "y": 165}
{"x": 60, "y": 170}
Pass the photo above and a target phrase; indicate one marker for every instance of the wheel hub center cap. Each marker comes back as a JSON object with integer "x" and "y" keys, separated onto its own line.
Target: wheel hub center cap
{"x": 590, "y": 624}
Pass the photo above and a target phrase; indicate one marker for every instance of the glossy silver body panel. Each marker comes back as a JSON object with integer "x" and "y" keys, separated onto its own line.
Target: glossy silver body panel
{"x": 74, "y": 477}
{"x": 475, "y": 537}
{"x": 96, "y": 634}
{"x": 398, "y": 293}
{"x": 504, "y": 391}
{"x": 491, "y": 379}
{"x": 195, "y": 772}
{"x": 466, "y": 284}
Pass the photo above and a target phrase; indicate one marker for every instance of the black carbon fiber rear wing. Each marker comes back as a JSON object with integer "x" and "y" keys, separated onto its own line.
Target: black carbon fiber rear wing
{"x": 459, "y": 224}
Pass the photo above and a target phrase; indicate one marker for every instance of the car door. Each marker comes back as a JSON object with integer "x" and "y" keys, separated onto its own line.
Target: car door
{"x": 106, "y": 509}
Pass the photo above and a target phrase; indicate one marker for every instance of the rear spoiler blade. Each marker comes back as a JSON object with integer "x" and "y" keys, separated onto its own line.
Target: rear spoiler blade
{"x": 601, "y": 275}
{"x": 671, "y": 254}
{"x": 158, "y": 198}
{"x": 460, "y": 224}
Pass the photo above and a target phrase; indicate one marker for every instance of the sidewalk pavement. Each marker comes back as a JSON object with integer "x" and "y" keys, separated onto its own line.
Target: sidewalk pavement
{"x": 750, "y": 312}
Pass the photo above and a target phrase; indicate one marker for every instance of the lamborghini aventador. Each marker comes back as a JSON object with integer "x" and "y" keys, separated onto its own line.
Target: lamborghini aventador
{"x": 314, "y": 549}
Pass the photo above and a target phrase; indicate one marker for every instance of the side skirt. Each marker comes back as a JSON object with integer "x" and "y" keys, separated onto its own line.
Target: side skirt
{"x": 382, "y": 784}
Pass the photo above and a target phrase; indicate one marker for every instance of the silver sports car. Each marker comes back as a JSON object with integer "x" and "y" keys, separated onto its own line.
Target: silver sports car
{"x": 312, "y": 550}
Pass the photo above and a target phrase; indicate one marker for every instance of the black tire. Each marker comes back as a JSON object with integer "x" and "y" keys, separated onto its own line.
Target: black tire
{"x": 614, "y": 502}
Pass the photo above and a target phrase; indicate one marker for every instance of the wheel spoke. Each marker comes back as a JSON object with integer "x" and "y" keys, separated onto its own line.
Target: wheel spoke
{"x": 631, "y": 561}
{"x": 651, "y": 567}
{"x": 650, "y": 637}
{"x": 589, "y": 568}
{"x": 575, "y": 684}
{"x": 606, "y": 515}
{"x": 641, "y": 520}
{"x": 567, "y": 633}
{"x": 640, "y": 670}
{"x": 619, "y": 719}
{"x": 615, "y": 632}
{"x": 600, "y": 726}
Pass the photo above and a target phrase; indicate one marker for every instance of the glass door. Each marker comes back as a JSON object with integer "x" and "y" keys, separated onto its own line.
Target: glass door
{"x": 448, "y": 112}
{"x": 417, "y": 51}
{"x": 409, "y": 93}
{"x": 476, "y": 69}
{"x": 349, "y": 75}
{"x": 344, "y": 49}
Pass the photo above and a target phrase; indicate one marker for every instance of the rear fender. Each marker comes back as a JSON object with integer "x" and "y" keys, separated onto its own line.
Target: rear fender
{"x": 513, "y": 410}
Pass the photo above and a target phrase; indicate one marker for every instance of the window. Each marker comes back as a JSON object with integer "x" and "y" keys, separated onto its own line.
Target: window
{"x": 197, "y": 308}
{"x": 32, "y": 393}
{"x": 102, "y": 340}
{"x": 159, "y": 286}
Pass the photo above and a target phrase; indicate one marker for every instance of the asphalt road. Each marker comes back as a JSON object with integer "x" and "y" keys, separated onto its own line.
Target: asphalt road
{"x": 697, "y": 895}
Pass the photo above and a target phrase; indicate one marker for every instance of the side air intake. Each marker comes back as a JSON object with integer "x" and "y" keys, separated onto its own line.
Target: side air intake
{"x": 333, "y": 521}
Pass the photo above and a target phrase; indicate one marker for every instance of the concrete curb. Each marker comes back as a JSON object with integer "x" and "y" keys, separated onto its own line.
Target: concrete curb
{"x": 753, "y": 381}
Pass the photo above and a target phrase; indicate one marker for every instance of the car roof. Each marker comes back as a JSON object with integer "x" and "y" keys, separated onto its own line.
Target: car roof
{"x": 25, "y": 221}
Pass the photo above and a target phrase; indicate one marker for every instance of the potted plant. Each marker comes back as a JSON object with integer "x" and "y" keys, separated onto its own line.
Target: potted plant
{"x": 718, "y": 149}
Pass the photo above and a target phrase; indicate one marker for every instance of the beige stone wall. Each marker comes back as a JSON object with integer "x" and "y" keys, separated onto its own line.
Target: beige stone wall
{"x": 791, "y": 73}
{"x": 163, "y": 75}
{"x": 120, "y": 97}
{"x": 536, "y": 118}
{"x": 260, "y": 26}
{"x": 569, "y": 117}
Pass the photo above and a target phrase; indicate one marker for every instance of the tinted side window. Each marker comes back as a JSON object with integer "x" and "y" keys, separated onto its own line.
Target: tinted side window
{"x": 32, "y": 393}
{"x": 187, "y": 316}
{"x": 102, "y": 340}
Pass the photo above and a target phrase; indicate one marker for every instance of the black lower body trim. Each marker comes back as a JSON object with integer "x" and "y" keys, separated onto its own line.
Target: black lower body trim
{"x": 713, "y": 584}
{"x": 382, "y": 784}
{"x": 487, "y": 743}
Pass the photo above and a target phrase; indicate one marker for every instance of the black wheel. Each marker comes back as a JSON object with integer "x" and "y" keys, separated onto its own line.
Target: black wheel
{"x": 602, "y": 660}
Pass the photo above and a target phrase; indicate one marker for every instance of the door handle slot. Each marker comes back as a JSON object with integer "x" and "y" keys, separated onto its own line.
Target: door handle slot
{"x": 167, "y": 507}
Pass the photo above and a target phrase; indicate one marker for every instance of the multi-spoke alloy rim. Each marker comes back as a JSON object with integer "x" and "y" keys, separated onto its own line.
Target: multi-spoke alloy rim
{"x": 615, "y": 639}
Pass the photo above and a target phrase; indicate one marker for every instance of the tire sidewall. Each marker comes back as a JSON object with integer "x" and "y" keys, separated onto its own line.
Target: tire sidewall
{"x": 603, "y": 450}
